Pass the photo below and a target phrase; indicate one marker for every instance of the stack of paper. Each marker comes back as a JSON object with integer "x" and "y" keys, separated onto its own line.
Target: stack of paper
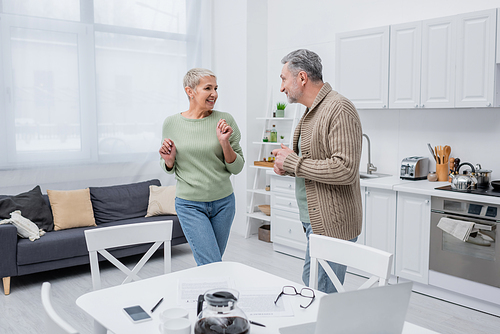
{"x": 458, "y": 228}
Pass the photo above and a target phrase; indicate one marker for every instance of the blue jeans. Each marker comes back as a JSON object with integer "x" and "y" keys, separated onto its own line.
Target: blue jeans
{"x": 324, "y": 282}
{"x": 206, "y": 226}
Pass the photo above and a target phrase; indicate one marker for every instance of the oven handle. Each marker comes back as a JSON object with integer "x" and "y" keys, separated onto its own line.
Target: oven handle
{"x": 485, "y": 227}
{"x": 479, "y": 226}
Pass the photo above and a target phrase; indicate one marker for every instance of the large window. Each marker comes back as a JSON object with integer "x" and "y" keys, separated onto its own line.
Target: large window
{"x": 91, "y": 81}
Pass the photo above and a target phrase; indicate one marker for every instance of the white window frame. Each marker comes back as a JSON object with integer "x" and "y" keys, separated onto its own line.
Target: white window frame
{"x": 85, "y": 30}
{"x": 85, "y": 36}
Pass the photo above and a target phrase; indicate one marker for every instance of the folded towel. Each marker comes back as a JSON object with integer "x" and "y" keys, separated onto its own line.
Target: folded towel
{"x": 460, "y": 229}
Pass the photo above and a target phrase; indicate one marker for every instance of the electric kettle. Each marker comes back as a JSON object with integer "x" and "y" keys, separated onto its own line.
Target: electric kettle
{"x": 221, "y": 315}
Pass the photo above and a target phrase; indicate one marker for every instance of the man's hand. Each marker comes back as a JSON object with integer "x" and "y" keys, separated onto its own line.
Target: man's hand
{"x": 280, "y": 154}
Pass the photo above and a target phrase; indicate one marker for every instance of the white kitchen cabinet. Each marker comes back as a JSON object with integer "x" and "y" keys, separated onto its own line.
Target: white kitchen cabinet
{"x": 380, "y": 219}
{"x": 287, "y": 233}
{"x": 438, "y": 63}
{"x": 412, "y": 238}
{"x": 405, "y": 58}
{"x": 475, "y": 62}
{"x": 362, "y": 67}
{"x": 446, "y": 62}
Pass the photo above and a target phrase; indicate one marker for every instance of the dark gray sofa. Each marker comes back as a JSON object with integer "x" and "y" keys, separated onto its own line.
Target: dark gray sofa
{"x": 114, "y": 205}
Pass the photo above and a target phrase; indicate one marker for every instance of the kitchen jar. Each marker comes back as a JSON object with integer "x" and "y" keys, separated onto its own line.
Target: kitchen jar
{"x": 432, "y": 177}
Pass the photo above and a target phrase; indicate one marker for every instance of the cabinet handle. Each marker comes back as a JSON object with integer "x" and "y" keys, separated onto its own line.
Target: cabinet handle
{"x": 489, "y": 105}
{"x": 368, "y": 192}
{"x": 423, "y": 105}
{"x": 290, "y": 204}
{"x": 289, "y": 186}
{"x": 384, "y": 106}
{"x": 290, "y": 231}
{"x": 416, "y": 105}
{"x": 426, "y": 201}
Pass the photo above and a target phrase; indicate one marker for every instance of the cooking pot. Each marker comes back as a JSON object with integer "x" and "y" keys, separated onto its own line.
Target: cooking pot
{"x": 483, "y": 177}
{"x": 464, "y": 181}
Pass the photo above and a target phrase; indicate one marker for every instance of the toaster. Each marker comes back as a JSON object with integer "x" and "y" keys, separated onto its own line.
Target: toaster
{"x": 414, "y": 168}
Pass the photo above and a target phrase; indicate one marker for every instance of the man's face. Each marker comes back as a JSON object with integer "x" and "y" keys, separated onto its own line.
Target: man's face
{"x": 290, "y": 85}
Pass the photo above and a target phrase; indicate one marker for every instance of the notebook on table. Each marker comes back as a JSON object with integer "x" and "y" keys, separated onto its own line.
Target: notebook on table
{"x": 374, "y": 310}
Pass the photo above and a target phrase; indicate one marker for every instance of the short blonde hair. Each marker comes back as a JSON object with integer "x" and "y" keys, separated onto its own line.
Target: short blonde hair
{"x": 193, "y": 76}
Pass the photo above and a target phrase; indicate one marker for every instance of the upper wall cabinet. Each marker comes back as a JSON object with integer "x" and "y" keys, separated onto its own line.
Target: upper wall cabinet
{"x": 475, "y": 69}
{"x": 447, "y": 62}
{"x": 405, "y": 55}
{"x": 438, "y": 63}
{"x": 362, "y": 67}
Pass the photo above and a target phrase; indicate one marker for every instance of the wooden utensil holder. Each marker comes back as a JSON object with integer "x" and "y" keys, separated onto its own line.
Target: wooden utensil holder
{"x": 442, "y": 171}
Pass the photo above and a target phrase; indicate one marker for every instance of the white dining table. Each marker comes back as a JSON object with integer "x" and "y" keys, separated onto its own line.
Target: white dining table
{"x": 106, "y": 305}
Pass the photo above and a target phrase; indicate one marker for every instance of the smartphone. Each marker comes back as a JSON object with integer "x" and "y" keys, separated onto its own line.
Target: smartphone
{"x": 137, "y": 313}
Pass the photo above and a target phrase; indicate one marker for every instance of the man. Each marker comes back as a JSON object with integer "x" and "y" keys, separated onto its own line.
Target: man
{"x": 325, "y": 158}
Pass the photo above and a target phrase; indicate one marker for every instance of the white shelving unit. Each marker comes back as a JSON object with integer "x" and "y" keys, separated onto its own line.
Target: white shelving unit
{"x": 258, "y": 194}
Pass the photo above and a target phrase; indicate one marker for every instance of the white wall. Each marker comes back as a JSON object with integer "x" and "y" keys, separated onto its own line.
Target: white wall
{"x": 239, "y": 58}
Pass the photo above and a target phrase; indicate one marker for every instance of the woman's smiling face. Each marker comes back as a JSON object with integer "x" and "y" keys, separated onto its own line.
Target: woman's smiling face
{"x": 206, "y": 93}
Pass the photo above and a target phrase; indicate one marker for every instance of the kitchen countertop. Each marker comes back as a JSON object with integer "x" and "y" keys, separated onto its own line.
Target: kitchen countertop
{"x": 421, "y": 187}
{"x": 424, "y": 187}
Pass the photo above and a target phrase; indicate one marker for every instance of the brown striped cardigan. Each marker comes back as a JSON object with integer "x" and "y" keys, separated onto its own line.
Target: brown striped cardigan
{"x": 331, "y": 150}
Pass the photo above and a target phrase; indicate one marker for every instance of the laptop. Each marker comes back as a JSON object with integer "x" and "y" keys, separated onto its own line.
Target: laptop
{"x": 375, "y": 310}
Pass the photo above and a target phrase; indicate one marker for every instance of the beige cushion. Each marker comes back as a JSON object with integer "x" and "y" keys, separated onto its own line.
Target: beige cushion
{"x": 71, "y": 208}
{"x": 161, "y": 201}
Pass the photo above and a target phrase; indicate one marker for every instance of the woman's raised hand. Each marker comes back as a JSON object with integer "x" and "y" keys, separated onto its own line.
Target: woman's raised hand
{"x": 224, "y": 130}
{"x": 168, "y": 152}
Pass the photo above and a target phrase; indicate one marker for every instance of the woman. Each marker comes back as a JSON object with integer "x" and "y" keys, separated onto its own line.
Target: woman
{"x": 201, "y": 146}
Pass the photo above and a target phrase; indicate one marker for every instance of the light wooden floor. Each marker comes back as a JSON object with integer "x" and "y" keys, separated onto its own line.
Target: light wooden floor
{"x": 22, "y": 312}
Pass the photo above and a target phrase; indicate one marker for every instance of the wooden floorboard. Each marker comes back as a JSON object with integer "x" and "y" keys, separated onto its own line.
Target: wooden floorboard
{"x": 21, "y": 311}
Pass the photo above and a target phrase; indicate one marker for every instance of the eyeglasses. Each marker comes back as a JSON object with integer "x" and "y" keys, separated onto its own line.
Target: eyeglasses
{"x": 291, "y": 291}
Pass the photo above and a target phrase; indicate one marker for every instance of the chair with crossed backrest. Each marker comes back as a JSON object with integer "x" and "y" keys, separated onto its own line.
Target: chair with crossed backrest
{"x": 54, "y": 324}
{"x": 370, "y": 260}
{"x": 99, "y": 240}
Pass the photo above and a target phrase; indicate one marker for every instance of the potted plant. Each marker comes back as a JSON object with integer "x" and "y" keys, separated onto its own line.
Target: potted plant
{"x": 280, "y": 109}
{"x": 282, "y": 139}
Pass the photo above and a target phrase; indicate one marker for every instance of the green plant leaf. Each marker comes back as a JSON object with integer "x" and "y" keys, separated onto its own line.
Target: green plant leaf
{"x": 280, "y": 106}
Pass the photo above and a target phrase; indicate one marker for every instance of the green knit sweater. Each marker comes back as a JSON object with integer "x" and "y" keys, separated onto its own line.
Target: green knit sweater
{"x": 200, "y": 168}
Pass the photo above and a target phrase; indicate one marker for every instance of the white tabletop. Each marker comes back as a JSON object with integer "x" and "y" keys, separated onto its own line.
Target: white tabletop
{"x": 106, "y": 305}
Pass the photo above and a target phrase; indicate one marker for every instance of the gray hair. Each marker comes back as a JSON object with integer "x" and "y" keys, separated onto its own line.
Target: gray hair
{"x": 193, "y": 76}
{"x": 304, "y": 60}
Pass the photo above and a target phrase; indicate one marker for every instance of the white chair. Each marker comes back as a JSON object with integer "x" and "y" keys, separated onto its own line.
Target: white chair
{"x": 367, "y": 259}
{"x": 103, "y": 238}
{"x": 54, "y": 324}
